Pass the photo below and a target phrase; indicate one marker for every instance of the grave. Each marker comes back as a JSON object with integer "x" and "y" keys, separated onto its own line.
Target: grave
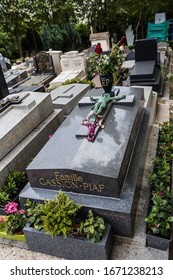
{"x": 66, "y": 97}
{"x": 73, "y": 65}
{"x": 103, "y": 38}
{"x": 3, "y": 85}
{"x": 129, "y": 36}
{"x": 103, "y": 175}
{"x": 15, "y": 77}
{"x": 64, "y": 76}
{"x": 73, "y": 60}
{"x": 56, "y": 58}
{"x": 41, "y": 76}
{"x": 24, "y": 129}
{"x": 146, "y": 71}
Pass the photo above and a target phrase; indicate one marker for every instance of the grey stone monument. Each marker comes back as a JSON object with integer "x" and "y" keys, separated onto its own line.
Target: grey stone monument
{"x": 103, "y": 175}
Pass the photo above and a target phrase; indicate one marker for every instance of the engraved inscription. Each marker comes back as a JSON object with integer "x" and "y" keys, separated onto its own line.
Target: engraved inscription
{"x": 71, "y": 181}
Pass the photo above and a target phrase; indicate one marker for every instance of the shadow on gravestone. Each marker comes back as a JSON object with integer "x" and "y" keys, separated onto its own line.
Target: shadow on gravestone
{"x": 3, "y": 85}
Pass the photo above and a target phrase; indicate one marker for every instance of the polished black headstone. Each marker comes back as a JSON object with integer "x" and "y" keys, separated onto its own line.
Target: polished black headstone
{"x": 143, "y": 70}
{"x": 146, "y": 49}
{"x": 3, "y": 86}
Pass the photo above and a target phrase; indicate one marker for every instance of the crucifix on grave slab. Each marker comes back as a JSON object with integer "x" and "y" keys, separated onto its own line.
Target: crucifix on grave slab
{"x": 101, "y": 106}
{"x": 6, "y": 102}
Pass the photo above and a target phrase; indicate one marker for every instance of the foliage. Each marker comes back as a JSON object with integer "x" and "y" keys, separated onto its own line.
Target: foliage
{"x": 16, "y": 219}
{"x": 60, "y": 37}
{"x": 35, "y": 214}
{"x": 160, "y": 216}
{"x": 110, "y": 63}
{"x": 19, "y": 16}
{"x": 91, "y": 66}
{"x": 14, "y": 183}
{"x": 6, "y": 43}
{"x": 57, "y": 215}
{"x": 84, "y": 32}
{"x": 93, "y": 227}
{"x": 4, "y": 198}
{"x": 62, "y": 216}
{"x": 78, "y": 81}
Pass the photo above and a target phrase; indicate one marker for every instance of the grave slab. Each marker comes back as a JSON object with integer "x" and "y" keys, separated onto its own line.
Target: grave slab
{"x": 66, "y": 97}
{"x": 143, "y": 70}
{"x": 14, "y": 77}
{"x": 18, "y": 120}
{"x": 107, "y": 176}
{"x": 66, "y": 75}
{"x": 19, "y": 157}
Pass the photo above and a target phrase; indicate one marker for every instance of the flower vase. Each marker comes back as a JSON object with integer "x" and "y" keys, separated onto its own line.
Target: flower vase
{"x": 106, "y": 82}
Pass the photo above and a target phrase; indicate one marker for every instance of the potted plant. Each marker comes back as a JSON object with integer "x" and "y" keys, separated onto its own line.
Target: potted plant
{"x": 160, "y": 214}
{"x": 11, "y": 226}
{"x": 14, "y": 183}
{"x": 57, "y": 227}
{"x": 159, "y": 220}
{"x": 108, "y": 66}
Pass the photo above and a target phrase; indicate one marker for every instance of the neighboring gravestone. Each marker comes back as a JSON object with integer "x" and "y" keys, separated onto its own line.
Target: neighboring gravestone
{"x": 56, "y": 60}
{"x": 15, "y": 77}
{"x": 73, "y": 60}
{"x": 24, "y": 129}
{"x": 43, "y": 63}
{"x": 64, "y": 76}
{"x": 73, "y": 65}
{"x": 104, "y": 175}
{"x": 146, "y": 71}
{"x": 146, "y": 49}
{"x": 129, "y": 36}
{"x": 3, "y": 85}
{"x": 41, "y": 76}
{"x": 103, "y": 38}
{"x": 66, "y": 97}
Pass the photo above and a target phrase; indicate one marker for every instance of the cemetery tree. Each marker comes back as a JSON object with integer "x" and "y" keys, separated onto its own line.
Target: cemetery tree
{"x": 140, "y": 12}
{"x": 14, "y": 16}
{"x": 61, "y": 37}
{"x": 6, "y": 43}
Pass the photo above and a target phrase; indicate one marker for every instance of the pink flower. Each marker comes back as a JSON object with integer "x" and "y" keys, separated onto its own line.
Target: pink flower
{"x": 11, "y": 207}
{"x": 50, "y": 136}
{"x": 20, "y": 211}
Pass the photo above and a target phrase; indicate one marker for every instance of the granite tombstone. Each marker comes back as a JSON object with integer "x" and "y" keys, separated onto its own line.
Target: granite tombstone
{"x": 146, "y": 71}
{"x": 103, "y": 175}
